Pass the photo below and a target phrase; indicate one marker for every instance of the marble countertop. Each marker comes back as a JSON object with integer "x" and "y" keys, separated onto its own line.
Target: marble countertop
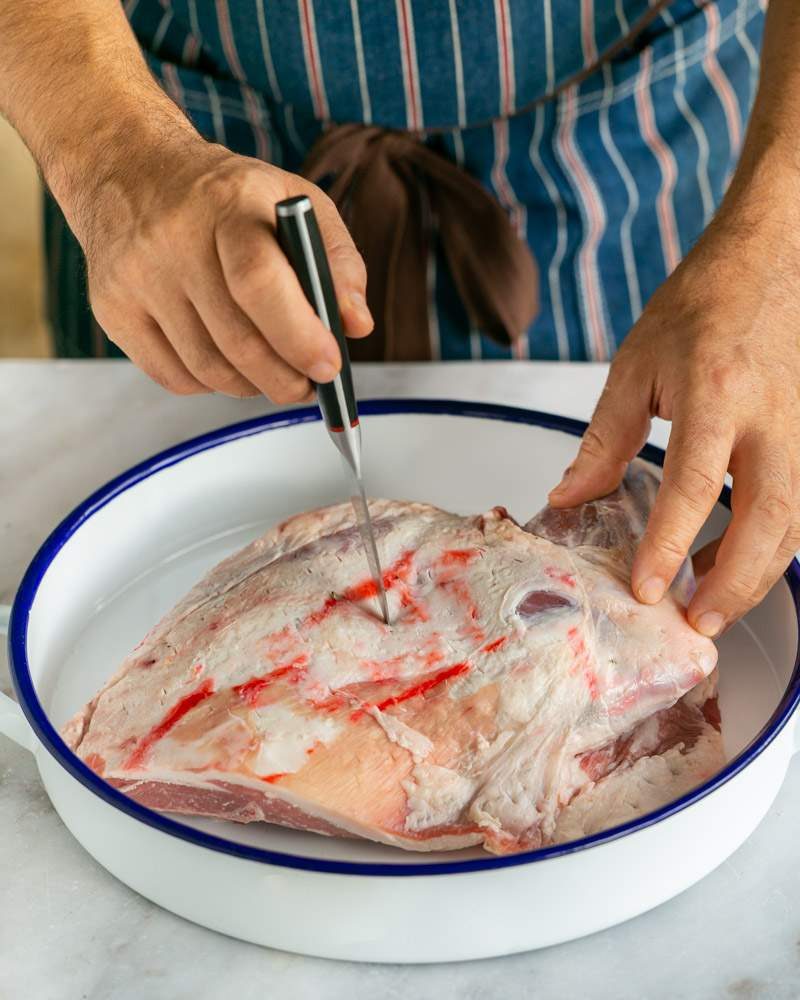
{"x": 70, "y": 931}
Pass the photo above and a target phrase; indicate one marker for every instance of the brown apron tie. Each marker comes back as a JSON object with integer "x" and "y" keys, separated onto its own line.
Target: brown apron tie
{"x": 386, "y": 185}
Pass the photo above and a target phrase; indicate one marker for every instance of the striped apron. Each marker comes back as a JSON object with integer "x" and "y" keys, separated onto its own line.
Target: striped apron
{"x": 607, "y": 134}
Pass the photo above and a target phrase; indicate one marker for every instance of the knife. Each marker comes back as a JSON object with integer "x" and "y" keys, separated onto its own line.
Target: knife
{"x": 301, "y": 241}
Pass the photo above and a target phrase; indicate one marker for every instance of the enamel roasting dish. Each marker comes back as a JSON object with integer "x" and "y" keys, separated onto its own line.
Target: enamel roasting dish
{"x": 124, "y": 557}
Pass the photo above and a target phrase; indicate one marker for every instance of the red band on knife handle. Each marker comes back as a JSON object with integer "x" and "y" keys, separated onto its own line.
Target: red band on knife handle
{"x": 339, "y": 430}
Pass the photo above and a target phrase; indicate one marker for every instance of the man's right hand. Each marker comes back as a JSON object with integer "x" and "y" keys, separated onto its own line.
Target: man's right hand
{"x": 185, "y": 273}
{"x": 187, "y": 278}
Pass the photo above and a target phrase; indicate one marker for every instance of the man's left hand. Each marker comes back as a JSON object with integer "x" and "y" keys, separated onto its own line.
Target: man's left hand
{"x": 717, "y": 352}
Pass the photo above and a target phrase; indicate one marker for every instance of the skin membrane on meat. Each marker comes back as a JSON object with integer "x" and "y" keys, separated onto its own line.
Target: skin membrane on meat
{"x": 521, "y": 696}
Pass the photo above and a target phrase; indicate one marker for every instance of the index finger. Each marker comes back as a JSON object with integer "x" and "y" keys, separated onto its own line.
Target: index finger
{"x": 264, "y": 286}
{"x": 694, "y": 473}
{"x": 348, "y": 270}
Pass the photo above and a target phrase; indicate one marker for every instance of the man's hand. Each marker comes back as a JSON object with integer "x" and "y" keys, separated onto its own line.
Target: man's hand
{"x": 717, "y": 352}
{"x": 186, "y": 275}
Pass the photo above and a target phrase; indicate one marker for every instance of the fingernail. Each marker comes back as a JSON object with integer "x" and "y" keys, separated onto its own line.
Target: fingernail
{"x": 322, "y": 371}
{"x": 710, "y": 623}
{"x": 651, "y": 590}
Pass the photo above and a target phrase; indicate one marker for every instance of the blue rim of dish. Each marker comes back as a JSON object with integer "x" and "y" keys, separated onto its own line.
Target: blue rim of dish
{"x": 49, "y": 737}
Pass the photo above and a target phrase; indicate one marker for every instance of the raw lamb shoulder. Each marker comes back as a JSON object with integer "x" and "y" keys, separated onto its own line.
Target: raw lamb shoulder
{"x": 520, "y": 697}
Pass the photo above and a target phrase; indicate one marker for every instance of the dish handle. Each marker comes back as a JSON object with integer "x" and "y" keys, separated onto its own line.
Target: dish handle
{"x": 12, "y": 721}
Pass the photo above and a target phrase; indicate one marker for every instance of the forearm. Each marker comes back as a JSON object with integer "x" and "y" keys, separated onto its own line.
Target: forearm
{"x": 75, "y": 86}
{"x": 767, "y": 179}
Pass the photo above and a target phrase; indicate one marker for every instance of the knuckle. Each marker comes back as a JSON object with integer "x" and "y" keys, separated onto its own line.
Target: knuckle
{"x": 223, "y": 186}
{"x": 98, "y": 287}
{"x": 178, "y": 383}
{"x": 723, "y": 378}
{"x": 593, "y": 443}
{"x": 184, "y": 387}
{"x": 324, "y": 205}
{"x": 209, "y": 369}
{"x": 669, "y": 547}
{"x": 290, "y": 390}
{"x": 238, "y": 187}
{"x": 324, "y": 201}
{"x": 104, "y": 308}
{"x": 345, "y": 257}
{"x": 624, "y": 366}
{"x": 696, "y": 487}
{"x": 791, "y": 540}
{"x": 773, "y": 508}
{"x": 156, "y": 376}
{"x": 245, "y": 349}
{"x": 159, "y": 377}
{"x": 303, "y": 355}
{"x": 245, "y": 391}
{"x": 249, "y": 275}
{"x": 232, "y": 383}
{"x": 739, "y": 585}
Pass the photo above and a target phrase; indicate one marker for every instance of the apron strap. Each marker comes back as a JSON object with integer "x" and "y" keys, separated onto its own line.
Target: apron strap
{"x": 385, "y": 183}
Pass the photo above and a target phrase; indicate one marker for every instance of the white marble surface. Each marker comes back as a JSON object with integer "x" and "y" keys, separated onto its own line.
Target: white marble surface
{"x": 69, "y": 931}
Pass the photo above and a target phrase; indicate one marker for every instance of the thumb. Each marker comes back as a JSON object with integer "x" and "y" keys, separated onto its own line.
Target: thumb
{"x": 347, "y": 267}
{"x": 618, "y": 429}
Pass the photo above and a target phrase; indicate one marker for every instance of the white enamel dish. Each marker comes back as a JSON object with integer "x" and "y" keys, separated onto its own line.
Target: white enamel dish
{"x": 125, "y": 556}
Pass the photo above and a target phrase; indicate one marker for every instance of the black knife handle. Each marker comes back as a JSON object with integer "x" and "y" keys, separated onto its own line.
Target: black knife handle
{"x": 301, "y": 241}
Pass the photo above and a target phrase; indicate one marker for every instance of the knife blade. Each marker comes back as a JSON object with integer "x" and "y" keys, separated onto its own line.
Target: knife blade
{"x": 364, "y": 522}
{"x": 301, "y": 241}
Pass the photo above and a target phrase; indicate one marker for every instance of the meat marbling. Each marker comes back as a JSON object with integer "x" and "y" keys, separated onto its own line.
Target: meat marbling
{"x": 520, "y": 697}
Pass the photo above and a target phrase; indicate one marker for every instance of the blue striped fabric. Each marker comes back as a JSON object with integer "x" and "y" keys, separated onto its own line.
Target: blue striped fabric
{"x": 610, "y": 182}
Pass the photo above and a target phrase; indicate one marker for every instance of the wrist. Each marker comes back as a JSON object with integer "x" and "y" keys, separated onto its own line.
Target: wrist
{"x": 763, "y": 200}
{"x": 112, "y": 156}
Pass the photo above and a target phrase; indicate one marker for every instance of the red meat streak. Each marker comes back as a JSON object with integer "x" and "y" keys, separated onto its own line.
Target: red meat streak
{"x": 454, "y": 557}
{"x": 95, "y": 762}
{"x": 626, "y": 702}
{"x": 395, "y": 576}
{"x": 330, "y": 704}
{"x": 381, "y": 670}
{"x": 396, "y": 573}
{"x": 578, "y": 647}
{"x": 447, "y": 829}
{"x": 251, "y": 690}
{"x": 417, "y": 689}
{"x": 492, "y": 647}
{"x": 460, "y": 557}
{"x": 560, "y": 576}
{"x": 173, "y": 716}
{"x": 461, "y": 592}
{"x": 451, "y": 559}
{"x": 432, "y": 658}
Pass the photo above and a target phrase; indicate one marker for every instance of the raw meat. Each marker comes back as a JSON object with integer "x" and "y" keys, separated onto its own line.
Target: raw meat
{"x": 520, "y": 697}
